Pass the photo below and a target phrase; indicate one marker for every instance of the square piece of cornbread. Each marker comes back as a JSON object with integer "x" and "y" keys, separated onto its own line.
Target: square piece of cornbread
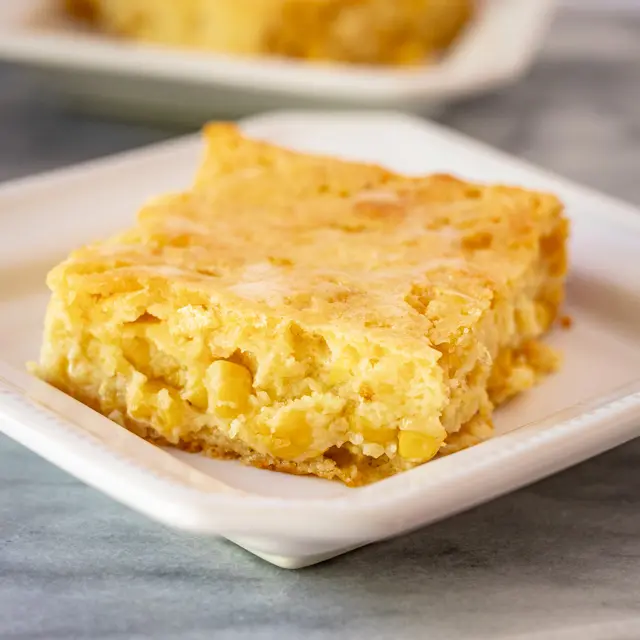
{"x": 311, "y": 315}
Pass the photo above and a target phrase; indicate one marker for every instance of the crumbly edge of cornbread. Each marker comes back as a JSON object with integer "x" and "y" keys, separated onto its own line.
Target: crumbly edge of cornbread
{"x": 271, "y": 385}
{"x": 514, "y": 371}
{"x": 374, "y": 32}
{"x": 535, "y": 361}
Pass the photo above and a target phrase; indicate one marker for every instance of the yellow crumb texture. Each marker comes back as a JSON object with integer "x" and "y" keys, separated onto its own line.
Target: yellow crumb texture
{"x": 358, "y": 31}
{"x": 309, "y": 314}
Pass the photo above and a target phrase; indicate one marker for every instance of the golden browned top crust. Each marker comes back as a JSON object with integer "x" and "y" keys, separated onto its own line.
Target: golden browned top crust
{"x": 327, "y": 241}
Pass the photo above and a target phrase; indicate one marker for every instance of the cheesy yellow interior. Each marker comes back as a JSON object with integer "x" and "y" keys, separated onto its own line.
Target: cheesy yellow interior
{"x": 294, "y": 394}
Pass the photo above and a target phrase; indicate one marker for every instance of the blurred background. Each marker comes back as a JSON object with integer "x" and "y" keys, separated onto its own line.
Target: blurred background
{"x": 571, "y": 105}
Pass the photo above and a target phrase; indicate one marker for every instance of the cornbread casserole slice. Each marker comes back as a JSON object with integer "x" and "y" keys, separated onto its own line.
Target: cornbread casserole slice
{"x": 361, "y": 31}
{"x": 311, "y": 315}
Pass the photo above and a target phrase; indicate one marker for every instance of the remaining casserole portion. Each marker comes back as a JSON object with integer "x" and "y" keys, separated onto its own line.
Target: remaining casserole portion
{"x": 361, "y": 31}
{"x": 309, "y": 314}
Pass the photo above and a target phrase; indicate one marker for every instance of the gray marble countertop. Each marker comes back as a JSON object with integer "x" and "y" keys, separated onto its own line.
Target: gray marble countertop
{"x": 560, "y": 559}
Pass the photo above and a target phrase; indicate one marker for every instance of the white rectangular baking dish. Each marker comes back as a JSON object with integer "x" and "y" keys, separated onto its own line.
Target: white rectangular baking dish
{"x": 109, "y": 74}
{"x": 593, "y": 404}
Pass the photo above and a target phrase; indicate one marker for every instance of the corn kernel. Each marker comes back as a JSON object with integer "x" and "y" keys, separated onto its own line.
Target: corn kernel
{"x": 414, "y": 445}
{"x": 292, "y": 437}
{"x": 196, "y": 394}
{"x": 378, "y": 435}
{"x": 149, "y": 401}
{"x": 230, "y": 386}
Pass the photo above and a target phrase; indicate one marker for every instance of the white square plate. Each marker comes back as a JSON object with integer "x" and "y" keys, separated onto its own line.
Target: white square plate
{"x": 591, "y": 405}
{"x": 107, "y": 73}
